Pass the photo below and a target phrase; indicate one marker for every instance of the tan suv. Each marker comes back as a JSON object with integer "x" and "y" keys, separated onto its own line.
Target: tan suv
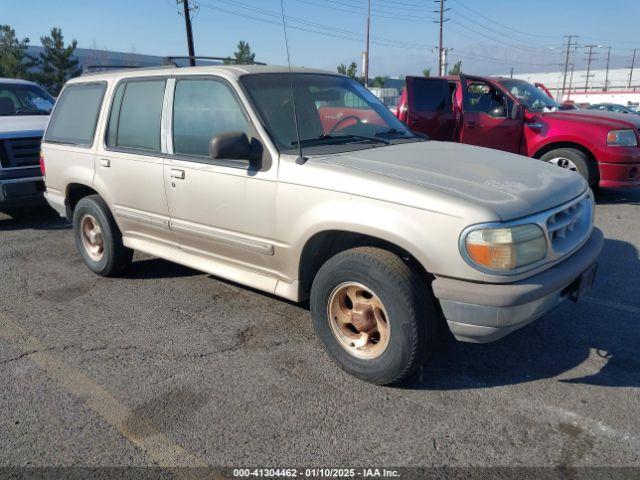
{"x": 383, "y": 230}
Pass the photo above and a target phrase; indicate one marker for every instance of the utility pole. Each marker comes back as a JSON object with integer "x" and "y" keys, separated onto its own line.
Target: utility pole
{"x": 187, "y": 21}
{"x": 633, "y": 64}
{"x": 566, "y": 62}
{"x": 366, "y": 53}
{"x": 442, "y": 56}
{"x": 573, "y": 67}
{"x": 606, "y": 78}
{"x": 590, "y": 55}
{"x": 511, "y": 74}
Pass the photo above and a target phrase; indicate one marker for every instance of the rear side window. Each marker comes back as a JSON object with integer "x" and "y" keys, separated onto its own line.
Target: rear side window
{"x": 201, "y": 110}
{"x": 430, "y": 95}
{"x": 75, "y": 116}
{"x": 136, "y": 114}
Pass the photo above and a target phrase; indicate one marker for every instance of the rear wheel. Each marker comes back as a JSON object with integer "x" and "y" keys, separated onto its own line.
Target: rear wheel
{"x": 98, "y": 238}
{"x": 575, "y": 161}
{"x": 374, "y": 314}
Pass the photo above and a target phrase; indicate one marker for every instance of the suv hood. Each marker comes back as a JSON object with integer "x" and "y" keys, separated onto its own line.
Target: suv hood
{"x": 610, "y": 119}
{"x": 510, "y": 186}
{"x": 23, "y": 125}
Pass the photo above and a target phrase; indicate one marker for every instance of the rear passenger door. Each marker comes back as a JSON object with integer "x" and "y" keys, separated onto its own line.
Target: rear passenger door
{"x": 129, "y": 164}
{"x": 430, "y": 107}
{"x": 220, "y": 209}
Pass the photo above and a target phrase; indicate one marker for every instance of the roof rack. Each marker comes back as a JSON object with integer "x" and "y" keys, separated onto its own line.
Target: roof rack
{"x": 171, "y": 60}
{"x": 91, "y": 68}
{"x": 95, "y": 69}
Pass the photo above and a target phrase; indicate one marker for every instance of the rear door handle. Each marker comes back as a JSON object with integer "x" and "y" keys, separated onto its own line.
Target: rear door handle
{"x": 472, "y": 124}
{"x": 179, "y": 174}
{"x": 105, "y": 162}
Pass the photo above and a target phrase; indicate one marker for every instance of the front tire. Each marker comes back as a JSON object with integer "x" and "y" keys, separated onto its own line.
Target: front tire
{"x": 374, "y": 314}
{"x": 98, "y": 237}
{"x": 574, "y": 160}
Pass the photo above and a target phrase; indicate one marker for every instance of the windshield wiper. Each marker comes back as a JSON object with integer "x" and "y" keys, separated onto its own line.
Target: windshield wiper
{"x": 322, "y": 138}
{"x": 401, "y": 134}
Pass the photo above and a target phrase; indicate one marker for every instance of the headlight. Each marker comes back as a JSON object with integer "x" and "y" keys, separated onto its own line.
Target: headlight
{"x": 506, "y": 248}
{"x": 622, "y": 138}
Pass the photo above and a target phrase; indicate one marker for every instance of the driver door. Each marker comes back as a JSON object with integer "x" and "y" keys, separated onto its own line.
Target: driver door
{"x": 487, "y": 116}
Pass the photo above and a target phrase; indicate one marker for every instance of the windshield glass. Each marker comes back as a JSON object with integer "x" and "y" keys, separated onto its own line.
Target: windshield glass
{"x": 22, "y": 99}
{"x": 331, "y": 110}
{"x": 531, "y": 97}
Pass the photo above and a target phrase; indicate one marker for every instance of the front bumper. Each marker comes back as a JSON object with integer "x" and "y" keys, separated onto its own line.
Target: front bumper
{"x": 619, "y": 167}
{"x": 482, "y": 312}
{"x": 21, "y": 191}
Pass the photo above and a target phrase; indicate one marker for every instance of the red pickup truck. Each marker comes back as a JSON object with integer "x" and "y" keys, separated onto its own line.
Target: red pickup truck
{"x": 513, "y": 115}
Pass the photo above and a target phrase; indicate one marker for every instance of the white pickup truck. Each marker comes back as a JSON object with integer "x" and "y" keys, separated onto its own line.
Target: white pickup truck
{"x": 24, "y": 113}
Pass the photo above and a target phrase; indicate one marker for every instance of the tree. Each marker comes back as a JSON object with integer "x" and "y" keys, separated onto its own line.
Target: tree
{"x": 378, "y": 82}
{"x": 351, "y": 71}
{"x": 243, "y": 54}
{"x": 13, "y": 53}
{"x": 426, "y": 72}
{"x": 456, "y": 69}
{"x": 57, "y": 62}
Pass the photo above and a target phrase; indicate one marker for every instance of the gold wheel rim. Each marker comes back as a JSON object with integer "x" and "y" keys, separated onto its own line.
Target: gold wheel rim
{"x": 359, "y": 320}
{"x": 92, "y": 239}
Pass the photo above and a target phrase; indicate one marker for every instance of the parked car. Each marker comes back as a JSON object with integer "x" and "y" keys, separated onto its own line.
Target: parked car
{"x": 612, "y": 107}
{"x": 515, "y": 116}
{"x": 346, "y": 207}
{"x": 24, "y": 112}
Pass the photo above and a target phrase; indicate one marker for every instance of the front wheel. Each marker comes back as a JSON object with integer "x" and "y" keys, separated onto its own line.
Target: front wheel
{"x": 374, "y": 314}
{"x": 575, "y": 161}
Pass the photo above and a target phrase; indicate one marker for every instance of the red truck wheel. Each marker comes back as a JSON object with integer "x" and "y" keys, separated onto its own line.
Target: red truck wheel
{"x": 574, "y": 160}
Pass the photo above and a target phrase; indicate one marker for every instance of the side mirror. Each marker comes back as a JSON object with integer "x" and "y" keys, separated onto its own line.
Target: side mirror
{"x": 230, "y": 146}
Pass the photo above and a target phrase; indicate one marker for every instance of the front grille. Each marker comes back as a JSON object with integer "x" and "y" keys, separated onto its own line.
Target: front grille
{"x": 569, "y": 226}
{"x": 20, "y": 152}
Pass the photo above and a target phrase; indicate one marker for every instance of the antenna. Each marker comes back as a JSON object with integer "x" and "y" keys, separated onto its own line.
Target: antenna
{"x": 301, "y": 159}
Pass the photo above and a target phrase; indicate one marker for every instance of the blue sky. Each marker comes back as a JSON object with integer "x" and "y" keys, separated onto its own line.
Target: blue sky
{"x": 488, "y": 36}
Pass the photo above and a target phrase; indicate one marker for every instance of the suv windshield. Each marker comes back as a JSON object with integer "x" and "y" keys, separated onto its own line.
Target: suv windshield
{"x": 331, "y": 111}
{"x": 24, "y": 99}
{"x": 531, "y": 97}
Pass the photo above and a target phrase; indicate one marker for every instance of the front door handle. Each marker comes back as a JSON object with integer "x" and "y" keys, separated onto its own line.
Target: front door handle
{"x": 179, "y": 174}
{"x": 472, "y": 124}
{"x": 105, "y": 162}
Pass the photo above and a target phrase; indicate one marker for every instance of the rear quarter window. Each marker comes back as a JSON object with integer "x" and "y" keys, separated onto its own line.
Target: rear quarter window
{"x": 76, "y": 114}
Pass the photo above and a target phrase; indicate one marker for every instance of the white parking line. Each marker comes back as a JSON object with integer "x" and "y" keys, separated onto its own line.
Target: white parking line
{"x": 158, "y": 447}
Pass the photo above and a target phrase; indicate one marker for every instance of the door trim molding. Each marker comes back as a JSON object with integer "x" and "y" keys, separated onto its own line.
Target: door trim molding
{"x": 225, "y": 237}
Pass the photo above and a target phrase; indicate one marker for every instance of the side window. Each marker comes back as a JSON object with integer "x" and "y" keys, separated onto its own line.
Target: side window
{"x": 431, "y": 95}
{"x": 75, "y": 116}
{"x": 136, "y": 113}
{"x": 202, "y": 109}
{"x": 482, "y": 97}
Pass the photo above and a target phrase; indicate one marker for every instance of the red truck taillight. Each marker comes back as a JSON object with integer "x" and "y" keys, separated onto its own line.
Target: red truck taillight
{"x": 42, "y": 167}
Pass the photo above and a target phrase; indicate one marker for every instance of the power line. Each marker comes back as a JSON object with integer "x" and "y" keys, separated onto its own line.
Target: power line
{"x": 493, "y": 21}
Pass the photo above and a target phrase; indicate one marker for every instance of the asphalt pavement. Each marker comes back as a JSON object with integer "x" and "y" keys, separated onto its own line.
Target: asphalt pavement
{"x": 168, "y": 367}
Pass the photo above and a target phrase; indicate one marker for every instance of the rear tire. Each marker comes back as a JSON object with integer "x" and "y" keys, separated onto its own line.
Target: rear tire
{"x": 98, "y": 237}
{"x": 575, "y": 160}
{"x": 368, "y": 285}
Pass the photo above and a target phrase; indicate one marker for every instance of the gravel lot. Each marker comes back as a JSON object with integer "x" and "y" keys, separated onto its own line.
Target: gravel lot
{"x": 169, "y": 366}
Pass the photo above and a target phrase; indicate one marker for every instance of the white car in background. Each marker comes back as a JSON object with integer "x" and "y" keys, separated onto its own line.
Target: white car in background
{"x": 24, "y": 113}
